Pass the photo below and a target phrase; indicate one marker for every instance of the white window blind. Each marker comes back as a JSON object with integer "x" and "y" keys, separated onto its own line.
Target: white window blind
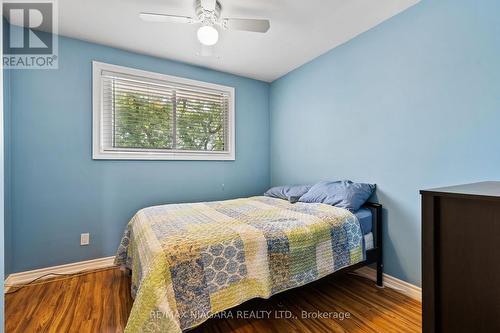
{"x": 144, "y": 115}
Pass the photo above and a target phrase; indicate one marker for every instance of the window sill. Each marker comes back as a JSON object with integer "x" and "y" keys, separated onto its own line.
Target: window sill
{"x": 163, "y": 156}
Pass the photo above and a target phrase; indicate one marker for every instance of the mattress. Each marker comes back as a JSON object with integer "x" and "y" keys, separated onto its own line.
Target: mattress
{"x": 364, "y": 216}
{"x": 369, "y": 241}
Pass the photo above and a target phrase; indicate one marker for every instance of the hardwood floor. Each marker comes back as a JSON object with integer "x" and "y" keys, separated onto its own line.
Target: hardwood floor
{"x": 93, "y": 302}
{"x": 100, "y": 302}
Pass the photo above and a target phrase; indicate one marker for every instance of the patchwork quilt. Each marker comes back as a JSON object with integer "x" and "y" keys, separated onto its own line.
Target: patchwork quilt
{"x": 191, "y": 261}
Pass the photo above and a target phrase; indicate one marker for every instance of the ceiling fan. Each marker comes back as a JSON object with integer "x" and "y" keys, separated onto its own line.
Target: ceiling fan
{"x": 208, "y": 15}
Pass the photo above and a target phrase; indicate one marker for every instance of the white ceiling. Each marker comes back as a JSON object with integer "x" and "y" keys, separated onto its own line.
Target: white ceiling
{"x": 300, "y": 30}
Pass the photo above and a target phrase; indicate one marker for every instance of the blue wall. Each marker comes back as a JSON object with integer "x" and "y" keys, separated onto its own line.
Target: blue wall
{"x": 4, "y": 102}
{"x": 4, "y": 198}
{"x": 412, "y": 103}
{"x": 58, "y": 191}
{"x": 6, "y": 174}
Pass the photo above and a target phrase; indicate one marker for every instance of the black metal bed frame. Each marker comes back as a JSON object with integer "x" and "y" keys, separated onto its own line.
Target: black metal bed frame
{"x": 373, "y": 256}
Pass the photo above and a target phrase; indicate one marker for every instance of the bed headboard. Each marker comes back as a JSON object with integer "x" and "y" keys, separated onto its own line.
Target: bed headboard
{"x": 376, "y": 253}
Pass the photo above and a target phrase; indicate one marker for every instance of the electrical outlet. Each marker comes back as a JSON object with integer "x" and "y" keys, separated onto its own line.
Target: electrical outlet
{"x": 85, "y": 239}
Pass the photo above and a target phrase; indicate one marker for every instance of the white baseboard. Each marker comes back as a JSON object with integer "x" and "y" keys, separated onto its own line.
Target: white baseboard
{"x": 25, "y": 277}
{"x": 403, "y": 287}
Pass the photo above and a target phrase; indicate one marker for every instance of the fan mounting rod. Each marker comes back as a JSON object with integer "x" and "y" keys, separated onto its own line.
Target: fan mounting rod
{"x": 207, "y": 16}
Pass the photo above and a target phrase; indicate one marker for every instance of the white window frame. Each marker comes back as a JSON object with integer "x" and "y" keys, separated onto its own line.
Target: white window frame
{"x": 98, "y": 151}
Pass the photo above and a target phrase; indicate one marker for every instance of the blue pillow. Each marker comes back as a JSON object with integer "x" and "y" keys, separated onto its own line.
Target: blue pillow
{"x": 342, "y": 194}
{"x": 291, "y": 193}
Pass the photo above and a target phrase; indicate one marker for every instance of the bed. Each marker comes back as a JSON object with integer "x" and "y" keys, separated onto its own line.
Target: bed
{"x": 191, "y": 261}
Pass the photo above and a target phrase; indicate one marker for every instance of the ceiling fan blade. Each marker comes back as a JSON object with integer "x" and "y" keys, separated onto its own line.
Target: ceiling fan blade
{"x": 208, "y": 4}
{"x": 255, "y": 25}
{"x": 153, "y": 17}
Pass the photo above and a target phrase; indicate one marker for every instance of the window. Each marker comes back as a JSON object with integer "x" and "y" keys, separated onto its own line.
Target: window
{"x": 150, "y": 116}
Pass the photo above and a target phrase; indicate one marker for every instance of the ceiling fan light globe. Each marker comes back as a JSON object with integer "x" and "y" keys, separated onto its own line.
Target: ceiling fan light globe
{"x": 208, "y": 35}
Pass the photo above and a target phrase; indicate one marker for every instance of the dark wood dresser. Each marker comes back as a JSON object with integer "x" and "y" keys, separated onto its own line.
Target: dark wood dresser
{"x": 461, "y": 258}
